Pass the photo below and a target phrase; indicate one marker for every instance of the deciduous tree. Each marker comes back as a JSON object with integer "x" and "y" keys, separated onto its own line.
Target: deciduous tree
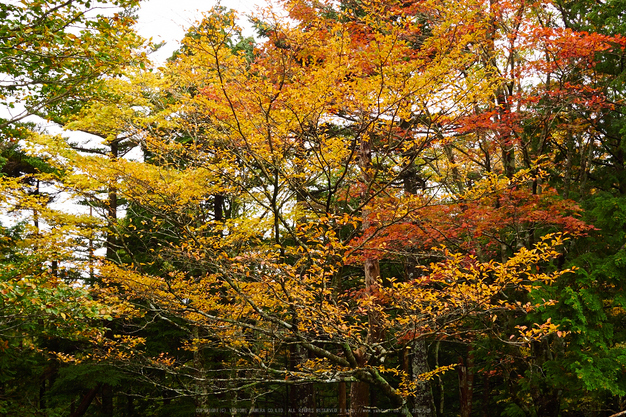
{"x": 309, "y": 146}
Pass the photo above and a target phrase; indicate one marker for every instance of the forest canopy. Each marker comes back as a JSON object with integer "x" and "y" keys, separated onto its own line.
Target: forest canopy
{"x": 411, "y": 207}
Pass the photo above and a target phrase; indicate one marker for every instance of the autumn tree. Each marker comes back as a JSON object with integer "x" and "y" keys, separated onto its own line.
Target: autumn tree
{"x": 54, "y": 57}
{"x": 373, "y": 195}
{"x": 336, "y": 153}
{"x": 586, "y": 92}
{"x": 54, "y": 52}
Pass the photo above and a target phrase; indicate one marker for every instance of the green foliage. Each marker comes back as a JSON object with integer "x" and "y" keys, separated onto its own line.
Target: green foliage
{"x": 589, "y": 356}
{"x": 54, "y": 52}
{"x": 236, "y": 42}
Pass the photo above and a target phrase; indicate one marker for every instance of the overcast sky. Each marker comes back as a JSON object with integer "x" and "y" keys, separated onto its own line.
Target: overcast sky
{"x": 167, "y": 20}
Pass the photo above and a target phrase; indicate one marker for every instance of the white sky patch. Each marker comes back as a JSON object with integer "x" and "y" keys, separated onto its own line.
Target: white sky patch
{"x": 167, "y": 21}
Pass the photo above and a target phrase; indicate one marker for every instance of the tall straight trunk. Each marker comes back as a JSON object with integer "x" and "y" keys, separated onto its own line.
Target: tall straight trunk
{"x": 91, "y": 253}
{"x": 442, "y": 395}
{"x": 456, "y": 175}
{"x": 201, "y": 397}
{"x": 423, "y": 403}
{"x": 486, "y": 396}
{"x": 300, "y": 396}
{"x": 568, "y": 175}
{"x": 415, "y": 363}
{"x": 506, "y": 138}
{"x": 130, "y": 406}
{"x": 502, "y": 103}
{"x": 111, "y": 214}
{"x": 218, "y": 207}
{"x": 107, "y": 400}
{"x": 359, "y": 391}
{"x": 42, "y": 393}
{"x": 111, "y": 209}
{"x": 343, "y": 400}
{"x": 35, "y": 211}
{"x": 371, "y": 265}
{"x": 359, "y": 399}
{"x": 466, "y": 384}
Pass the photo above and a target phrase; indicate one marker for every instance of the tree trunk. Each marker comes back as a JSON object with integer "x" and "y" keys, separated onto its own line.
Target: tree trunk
{"x": 359, "y": 399}
{"x": 111, "y": 209}
{"x": 301, "y": 397}
{"x": 466, "y": 384}
{"x": 107, "y": 400}
{"x": 201, "y": 397}
{"x": 130, "y": 406}
{"x": 84, "y": 403}
{"x": 423, "y": 403}
{"x": 359, "y": 391}
{"x": 486, "y": 396}
{"x": 343, "y": 400}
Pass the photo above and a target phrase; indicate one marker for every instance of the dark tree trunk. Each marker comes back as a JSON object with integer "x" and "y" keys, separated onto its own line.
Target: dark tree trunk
{"x": 107, "y": 400}
{"x": 360, "y": 391}
{"x": 486, "y": 396}
{"x": 86, "y": 401}
{"x": 218, "y": 207}
{"x": 466, "y": 384}
{"x": 130, "y": 406}
{"x": 359, "y": 399}
{"x": 343, "y": 400}
{"x": 111, "y": 209}
{"x": 300, "y": 396}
